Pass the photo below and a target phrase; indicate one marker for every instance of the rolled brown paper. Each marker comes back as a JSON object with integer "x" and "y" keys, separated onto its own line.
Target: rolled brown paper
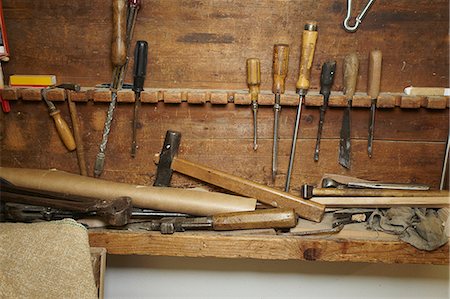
{"x": 192, "y": 202}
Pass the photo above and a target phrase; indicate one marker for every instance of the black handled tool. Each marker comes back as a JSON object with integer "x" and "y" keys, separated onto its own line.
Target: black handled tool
{"x": 326, "y": 80}
{"x": 140, "y": 70}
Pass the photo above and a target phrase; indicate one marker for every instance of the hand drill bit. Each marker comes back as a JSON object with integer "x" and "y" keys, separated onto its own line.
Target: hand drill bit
{"x": 279, "y": 71}
{"x": 326, "y": 80}
{"x": 254, "y": 82}
{"x": 309, "y": 40}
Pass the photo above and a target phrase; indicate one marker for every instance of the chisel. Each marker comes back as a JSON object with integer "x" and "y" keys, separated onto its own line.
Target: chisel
{"x": 326, "y": 80}
{"x": 351, "y": 65}
{"x": 373, "y": 89}
{"x": 254, "y": 82}
{"x": 279, "y": 72}
{"x": 140, "y": 70}
{"x": 309, "y": 40}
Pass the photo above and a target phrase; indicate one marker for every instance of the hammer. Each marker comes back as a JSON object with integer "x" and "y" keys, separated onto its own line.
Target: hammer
{"x": 169, "y": 162}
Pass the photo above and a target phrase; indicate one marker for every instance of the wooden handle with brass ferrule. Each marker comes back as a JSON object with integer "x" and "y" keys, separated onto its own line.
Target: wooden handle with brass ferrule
{"x": 351, "y": 66}
{"x": 373, "y": 84}
{"x": 119, "y": 47}
{"x": 309, "y": 40}
{"x": 280, "y": 67}
{"x": 264, "y": 218}
{"x": 64, "y": 131}
{"x": 253, "y": 77}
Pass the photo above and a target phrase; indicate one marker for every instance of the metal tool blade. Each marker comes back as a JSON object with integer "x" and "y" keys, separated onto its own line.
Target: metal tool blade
{"x": 276, "y": 108}
{"x": 294, "y": 144}
{"x": 373, "y": 107}
{"x": 255, "y": 125}
{"x": 319, "y": 131}
{"x": 393, "y": 186}
{"x": 344, "y": 141}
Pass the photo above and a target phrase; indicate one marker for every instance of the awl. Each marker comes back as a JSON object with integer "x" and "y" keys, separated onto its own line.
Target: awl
{"x": 279, "y": 73}
{"x": 351, "y": 65}
{"x": 373, "y": 89}
{"x": 309, "y": 39}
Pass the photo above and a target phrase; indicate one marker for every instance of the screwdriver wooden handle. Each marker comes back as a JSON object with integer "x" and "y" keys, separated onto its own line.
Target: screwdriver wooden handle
{"x": 119, "y": 47}
{"x": 267, "y": 218}
{"x": 373, "y": 87}
{"x": 309, "y": 39}
{"x": 63, "y": 130}
{"x": 280, "y": 67}
{"x": 253, "y": 77}
{"x": 351, "y": 65}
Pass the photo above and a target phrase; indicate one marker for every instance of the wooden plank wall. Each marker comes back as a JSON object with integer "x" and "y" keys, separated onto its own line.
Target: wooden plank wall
{"x": 204, "y": 44}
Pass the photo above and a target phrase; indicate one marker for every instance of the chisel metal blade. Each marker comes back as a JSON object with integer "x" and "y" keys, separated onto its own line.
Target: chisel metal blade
{"x": 344, "y": 141}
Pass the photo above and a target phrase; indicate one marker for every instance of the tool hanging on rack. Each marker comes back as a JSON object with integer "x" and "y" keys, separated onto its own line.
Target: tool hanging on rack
{"x": 279, "y": 72}
{"x": 62, "y": 127}
{"x": 351, "y": 65}
{"x": 309, "y": 40}
{"x": 358, "y": 19}
{"x": 123, "y": 25}
{"x": 444, "y": 173}
{"x": 373, "y": 89}
{"x": 140, "y": 70}
{"x": 254, "y": 82}
{"x": 326, "y": 80}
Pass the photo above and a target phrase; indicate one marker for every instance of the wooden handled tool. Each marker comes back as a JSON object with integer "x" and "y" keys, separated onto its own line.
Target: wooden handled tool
{"x": 351, "y": 65}
{"x": 254, "y": 82}
{"x": 61, "y": 125}
{"x": 168, "y": 162}
{"x": 118, "y": 46}
{"x": 373, "y": 90}
{"x": 279, "y": 72}
{"x": 260, "y": 219}
{"x": 309, "y": 40}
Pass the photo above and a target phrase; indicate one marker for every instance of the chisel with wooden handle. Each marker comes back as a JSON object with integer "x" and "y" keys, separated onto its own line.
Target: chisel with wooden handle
{"x": 351, "y": 65}
{"x": 373, "y": 89}
{"x": 267, "y": 218}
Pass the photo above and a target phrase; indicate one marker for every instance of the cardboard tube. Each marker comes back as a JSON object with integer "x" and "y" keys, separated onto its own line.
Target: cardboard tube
{"x": 158, "y": 198}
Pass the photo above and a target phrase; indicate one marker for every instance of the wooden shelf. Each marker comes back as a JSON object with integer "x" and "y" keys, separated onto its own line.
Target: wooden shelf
{"x": 273, "y": 247}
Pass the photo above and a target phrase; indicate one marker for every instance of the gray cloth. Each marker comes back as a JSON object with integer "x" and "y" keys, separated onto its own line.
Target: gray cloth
{"x": 422, "y": 228}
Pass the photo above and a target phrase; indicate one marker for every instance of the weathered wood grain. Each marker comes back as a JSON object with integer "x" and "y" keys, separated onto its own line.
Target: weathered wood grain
{"x": 204, "y": 44}
{"x": 264, "y": 247}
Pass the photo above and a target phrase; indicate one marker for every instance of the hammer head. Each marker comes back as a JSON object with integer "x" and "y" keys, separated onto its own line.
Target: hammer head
{"x": 168, "y": 152}
{"x": 307, "y": 191}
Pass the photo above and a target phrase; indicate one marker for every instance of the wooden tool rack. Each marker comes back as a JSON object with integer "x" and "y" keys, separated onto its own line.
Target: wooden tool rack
{"x": 196, "y": 84}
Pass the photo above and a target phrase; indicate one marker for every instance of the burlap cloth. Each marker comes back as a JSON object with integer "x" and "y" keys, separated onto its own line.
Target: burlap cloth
{"x": 45, "y": 260}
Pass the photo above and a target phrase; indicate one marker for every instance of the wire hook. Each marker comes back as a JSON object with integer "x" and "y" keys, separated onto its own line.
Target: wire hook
{"x": 359, "y": 18}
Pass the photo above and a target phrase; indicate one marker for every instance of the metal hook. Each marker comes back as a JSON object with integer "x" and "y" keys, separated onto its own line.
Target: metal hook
{"x": 359, "y": 18}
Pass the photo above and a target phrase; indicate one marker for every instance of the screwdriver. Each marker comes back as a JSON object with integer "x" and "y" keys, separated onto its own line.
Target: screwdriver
{"x": 279, "y": 72}
{"x": 326, "y": 80}
{"x": 62, "y": 128}
{"x": 351, "y": 65}
{"x": 140, "y": 70}
{"x": 373, "y": 89}
{"x": 309, "y": 40}
{"x": 254, "y": 82}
